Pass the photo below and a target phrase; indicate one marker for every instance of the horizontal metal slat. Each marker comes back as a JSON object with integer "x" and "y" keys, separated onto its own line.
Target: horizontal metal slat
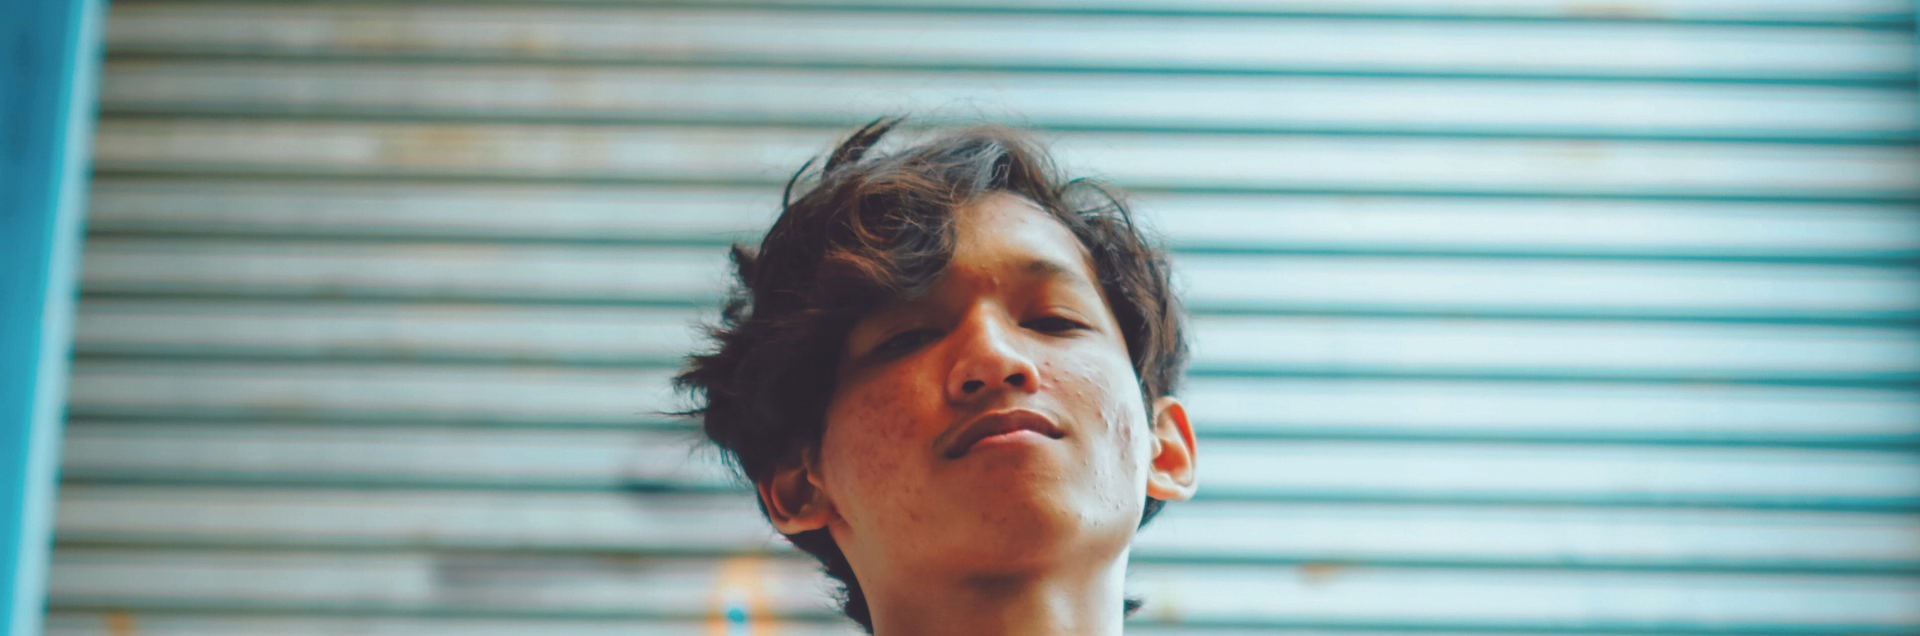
{"x": 594, "y": 336}
{"x": 380, "y": 583}
{"x": 1224, "y": 345}
{"x": 110, "y": 622}
{"x": 1305, "y": 346}
{"x": 1385, "y": 598}
{"x": 1196, "y": 531}
{"x": 472, "y": 211}
{"x": 962, "y": 39}
{"x": 1466, "y": 288}
{"x": 1330, "y": 597}
{"x": 460, "y": 458}
{"x": 1062, "y": 101}
{"x": 1784, "y": 11}
{"x": 256, "y": 394}
{"x": 1136, "y": 160}
{"x": 376, "y": 520}
{"x": 1245, "y": 469}
{"x": 563, "y": 274}
{"x": 1277, "y": 223}
{"x": 597, "y": 397}
{"x": 1857, "y": 12}
{"x": 1429, "y": 409}
{"x": 1215, "y": 283}
{"x": 1469, "y": 227}
{"x": 1492, "y": 536}
{"x": 1601, "y": 475}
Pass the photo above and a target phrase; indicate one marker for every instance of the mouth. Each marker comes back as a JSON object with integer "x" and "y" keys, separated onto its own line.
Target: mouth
{"x": 999, "y": 423}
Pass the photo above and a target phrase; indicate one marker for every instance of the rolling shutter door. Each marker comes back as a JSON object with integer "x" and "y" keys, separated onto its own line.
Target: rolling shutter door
{"x": 1511, "y": 316}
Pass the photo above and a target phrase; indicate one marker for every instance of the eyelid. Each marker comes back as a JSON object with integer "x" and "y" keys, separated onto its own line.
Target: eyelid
{"x": 880, "y": 348}
{"x": 1075, "y": 323}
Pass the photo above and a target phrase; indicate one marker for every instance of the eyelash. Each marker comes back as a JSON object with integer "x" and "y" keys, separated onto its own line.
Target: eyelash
{"x": 907, "y": 341}
{"x": 904, "y": 342}
{"x": 1057, "y": 323}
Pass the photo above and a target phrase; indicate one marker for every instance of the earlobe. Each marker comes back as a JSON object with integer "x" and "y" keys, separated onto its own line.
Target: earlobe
{"x": 795, "y": 503}
{"x": 1172, "y": 475}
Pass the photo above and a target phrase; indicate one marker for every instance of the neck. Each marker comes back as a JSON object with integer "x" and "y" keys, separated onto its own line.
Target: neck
{"x": 1079, "y": 601}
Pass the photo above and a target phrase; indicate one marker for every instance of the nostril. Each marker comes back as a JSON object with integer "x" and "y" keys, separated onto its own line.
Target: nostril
{"x": 1017, "y": 379}
{"x": 971, "y": 385}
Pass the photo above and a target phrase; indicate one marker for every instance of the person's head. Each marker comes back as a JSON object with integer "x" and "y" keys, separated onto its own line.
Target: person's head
{"x": 948, "y": 361}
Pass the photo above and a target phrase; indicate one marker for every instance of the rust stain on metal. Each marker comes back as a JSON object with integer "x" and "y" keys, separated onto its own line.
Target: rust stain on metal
{"x": 1322, "y": 573}
{"x": 1166, "y": 605}
{"x": 437, "y": 146}
{"x": 121, "y": 624}
{"x": 375, "y": 32}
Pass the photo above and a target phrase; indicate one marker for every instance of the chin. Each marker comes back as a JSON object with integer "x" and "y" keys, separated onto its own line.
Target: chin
{"x": 1026, "y": 527}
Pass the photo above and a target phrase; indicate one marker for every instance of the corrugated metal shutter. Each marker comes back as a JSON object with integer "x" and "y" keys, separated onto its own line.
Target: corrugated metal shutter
{"x": 1516, "y": 316}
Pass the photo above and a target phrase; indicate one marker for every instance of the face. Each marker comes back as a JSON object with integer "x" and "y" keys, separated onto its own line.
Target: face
{"x": 994, "y": 423}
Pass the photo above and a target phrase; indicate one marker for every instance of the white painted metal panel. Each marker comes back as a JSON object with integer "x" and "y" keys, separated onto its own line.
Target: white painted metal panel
{"x": 403, "y": 391}
{"x": 1301, "y": 406}
{"x": 1570, "y": 410}
{"x": 1145, "y": 160}
{"x": 1053, "y": 99}
{"x": 559, "y": 273}
{"x": 1225, "y": 344}
{"x": 606, "y": 460}
{"x": 114, "y": 623}
{"x": 1464, "y": 286}
{"x": 1402, "y": 598}
{"x": 1731, "y": 10}
{"x": 586, "y": 273}
{"x": 570, "y": 335}
{"x": 1756, "y": 352}
{"x": 411, "y": 582}
{"x": 610, "y": 522}
{"x": 1512, "y": 316}
{"x": 1232, "y": 43}
{"x": 465, "y": 210}
{"x": 583, "y": 460}
{"x": 665, "y": 587}
{"x": 1756, "y": 229}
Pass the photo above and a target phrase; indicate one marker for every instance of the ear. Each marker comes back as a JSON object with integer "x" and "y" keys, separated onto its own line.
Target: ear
{"x": 795, "y": 502}
{"x": 1172, "y": 476}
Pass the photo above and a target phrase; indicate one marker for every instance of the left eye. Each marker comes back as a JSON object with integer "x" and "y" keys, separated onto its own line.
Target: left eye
{"x": 1052, "y": 324}
{"x": 904, "y": 342}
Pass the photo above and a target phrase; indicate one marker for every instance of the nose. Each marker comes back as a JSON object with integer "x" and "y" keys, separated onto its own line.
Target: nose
{"x": 988, "y": 360}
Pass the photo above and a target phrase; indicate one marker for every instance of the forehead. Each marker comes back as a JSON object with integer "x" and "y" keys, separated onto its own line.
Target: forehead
{"x": 1005, "y": 231}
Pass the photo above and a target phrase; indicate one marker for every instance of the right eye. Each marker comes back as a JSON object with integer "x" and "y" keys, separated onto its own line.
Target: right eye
{"x": 905, "y": 342}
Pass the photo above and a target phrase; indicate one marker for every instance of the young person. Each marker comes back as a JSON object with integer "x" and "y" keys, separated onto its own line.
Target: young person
{"x": 949, "y": 375}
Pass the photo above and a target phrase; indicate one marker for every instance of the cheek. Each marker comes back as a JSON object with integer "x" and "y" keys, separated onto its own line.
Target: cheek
{"x": 1128, "y": 413}
{"x": 1104, "y": 389}
{"x": 869, "y": 441}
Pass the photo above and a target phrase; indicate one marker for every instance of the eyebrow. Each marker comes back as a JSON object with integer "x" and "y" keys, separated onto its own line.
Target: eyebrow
{"x": 1041, "y": 267}
{"x": 1052, "y": 269}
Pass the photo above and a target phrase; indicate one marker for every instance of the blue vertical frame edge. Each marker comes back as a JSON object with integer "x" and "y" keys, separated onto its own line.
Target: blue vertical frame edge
{"x": 49, "y": 76}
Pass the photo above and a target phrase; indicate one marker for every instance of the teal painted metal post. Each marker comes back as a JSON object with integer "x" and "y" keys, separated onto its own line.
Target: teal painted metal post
{"x": 48, "y": 79}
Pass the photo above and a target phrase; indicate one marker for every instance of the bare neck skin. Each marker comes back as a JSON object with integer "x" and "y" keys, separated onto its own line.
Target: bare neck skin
{"x": 1080, "y": 601}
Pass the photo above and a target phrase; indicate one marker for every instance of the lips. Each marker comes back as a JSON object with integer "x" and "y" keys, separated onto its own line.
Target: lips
{"x": 1000, "y": 423}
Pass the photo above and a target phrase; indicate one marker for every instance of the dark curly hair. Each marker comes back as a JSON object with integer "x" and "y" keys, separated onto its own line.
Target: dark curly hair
{"x": 866, "y": 230}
